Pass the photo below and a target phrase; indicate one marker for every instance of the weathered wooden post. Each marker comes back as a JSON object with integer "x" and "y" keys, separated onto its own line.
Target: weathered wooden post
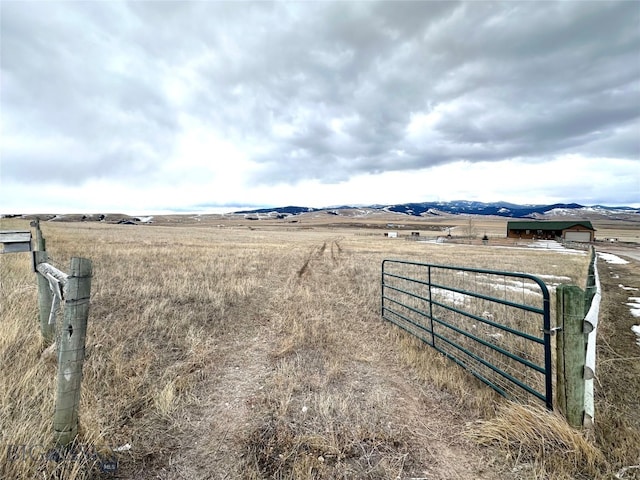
{"x": 41, "y": 243}
{"x": 45, "y": 299}
{"x": 591, "y": 287}
{"x": 45, "y": 296}
{"x": 571, "y": 353}
{"x": 71, "y": 351}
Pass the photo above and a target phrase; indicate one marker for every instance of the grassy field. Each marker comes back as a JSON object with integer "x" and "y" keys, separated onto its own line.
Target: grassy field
{"x": 245, "y": 352}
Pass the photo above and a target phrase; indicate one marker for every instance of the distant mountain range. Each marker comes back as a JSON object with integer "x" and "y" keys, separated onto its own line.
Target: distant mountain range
{"x": 458, "y": 207}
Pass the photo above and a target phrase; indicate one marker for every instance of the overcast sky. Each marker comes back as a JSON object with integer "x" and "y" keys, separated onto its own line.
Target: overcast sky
{"x": 153, "y": 106}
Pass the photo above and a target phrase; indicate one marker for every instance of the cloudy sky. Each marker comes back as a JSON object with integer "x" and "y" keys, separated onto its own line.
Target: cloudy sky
{"x": 152, "y": 106}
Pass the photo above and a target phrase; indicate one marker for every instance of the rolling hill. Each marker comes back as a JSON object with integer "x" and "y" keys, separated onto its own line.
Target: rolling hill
{"x": 461, "y": 207}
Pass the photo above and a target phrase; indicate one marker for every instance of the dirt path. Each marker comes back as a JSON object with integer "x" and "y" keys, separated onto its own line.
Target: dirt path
{"x": 222, "y": 411}
{"x": 309, "y": 396}
{"x": 228, "y": 409}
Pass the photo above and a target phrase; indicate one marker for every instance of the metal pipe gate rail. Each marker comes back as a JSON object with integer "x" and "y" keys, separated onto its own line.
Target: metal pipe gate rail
{"x": 495, "y": 324}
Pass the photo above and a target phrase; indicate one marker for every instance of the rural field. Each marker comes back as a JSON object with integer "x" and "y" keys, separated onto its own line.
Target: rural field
{"x": 221, "y": 348}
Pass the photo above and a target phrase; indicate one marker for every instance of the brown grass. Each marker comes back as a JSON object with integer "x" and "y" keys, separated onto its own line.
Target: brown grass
{"x": 541, "y": 441}
{"x": 254, "y": 354}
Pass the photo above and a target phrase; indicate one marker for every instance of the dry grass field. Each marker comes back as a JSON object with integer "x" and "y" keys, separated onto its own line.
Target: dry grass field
{"x": 257, "y": 350}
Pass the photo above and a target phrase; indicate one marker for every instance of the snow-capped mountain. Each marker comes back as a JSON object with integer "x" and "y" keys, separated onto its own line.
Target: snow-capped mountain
{"x": 458, "y": 207}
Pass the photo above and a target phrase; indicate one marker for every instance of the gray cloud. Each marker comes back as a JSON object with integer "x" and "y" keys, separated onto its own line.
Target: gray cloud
{"x": 315, "y": 90}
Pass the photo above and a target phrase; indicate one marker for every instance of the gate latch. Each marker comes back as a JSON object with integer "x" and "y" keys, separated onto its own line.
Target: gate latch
{"x": 551, "y": 331}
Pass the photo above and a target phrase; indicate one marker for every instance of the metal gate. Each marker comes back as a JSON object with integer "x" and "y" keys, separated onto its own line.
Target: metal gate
{"x": 495, "y": 324}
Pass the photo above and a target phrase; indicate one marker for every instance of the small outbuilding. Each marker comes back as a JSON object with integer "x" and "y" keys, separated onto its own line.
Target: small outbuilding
{"x": 576, "y": 231}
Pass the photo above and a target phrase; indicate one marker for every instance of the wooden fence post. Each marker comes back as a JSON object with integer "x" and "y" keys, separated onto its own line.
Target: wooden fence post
{"x": 71, "y": 353}
{"x": 571, "y": 353}
{"x": 45, "y": 299}
{"x": 41, "y": 243}
{"x": 590, "y": 289}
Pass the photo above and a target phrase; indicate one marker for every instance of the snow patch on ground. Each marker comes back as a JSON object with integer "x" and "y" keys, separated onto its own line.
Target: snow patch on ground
{"x": 547, "y": 244}
{"x": 513, "y": 286}
{"x": 554, "y": 246}
{"x": 636, "y": 329}
{"x": 561, "y": 278}
{"x": 610, "y": 258}
{"x": 145, "y": 219}
{"x": 627, "y": 288}
{"x": 634, "y": 304}
{"x": 526, "y": 286}
{"x": 455, "y": 297}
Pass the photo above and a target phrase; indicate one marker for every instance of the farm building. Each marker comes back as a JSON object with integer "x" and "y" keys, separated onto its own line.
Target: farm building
{"x": 580, "y": 231}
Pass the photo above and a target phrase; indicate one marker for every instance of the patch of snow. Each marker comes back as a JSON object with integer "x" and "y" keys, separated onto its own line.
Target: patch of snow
{"x": 553, "y": 277}
{"x": 554, "y": 246}
{"x": 455, "y": 297}
{"x": 610, "y": 258}
{"x": 547, "y": 244}
{"x": 146, "y": 219}
{"x": 362, "y": 213}
{"x": 636, "y": 329}
{"x": 634, "y": 303}
{"x": 627, "y": 288}
{"x": 528, "y": 289}
{"x": 560, "y": 211}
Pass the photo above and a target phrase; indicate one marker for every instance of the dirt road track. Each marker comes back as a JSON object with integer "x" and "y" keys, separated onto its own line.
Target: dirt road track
{"x": 625, "y": 251}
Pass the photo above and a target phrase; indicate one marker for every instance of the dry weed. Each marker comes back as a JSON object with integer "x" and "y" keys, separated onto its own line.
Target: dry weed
{"x": 541, "y": 440}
